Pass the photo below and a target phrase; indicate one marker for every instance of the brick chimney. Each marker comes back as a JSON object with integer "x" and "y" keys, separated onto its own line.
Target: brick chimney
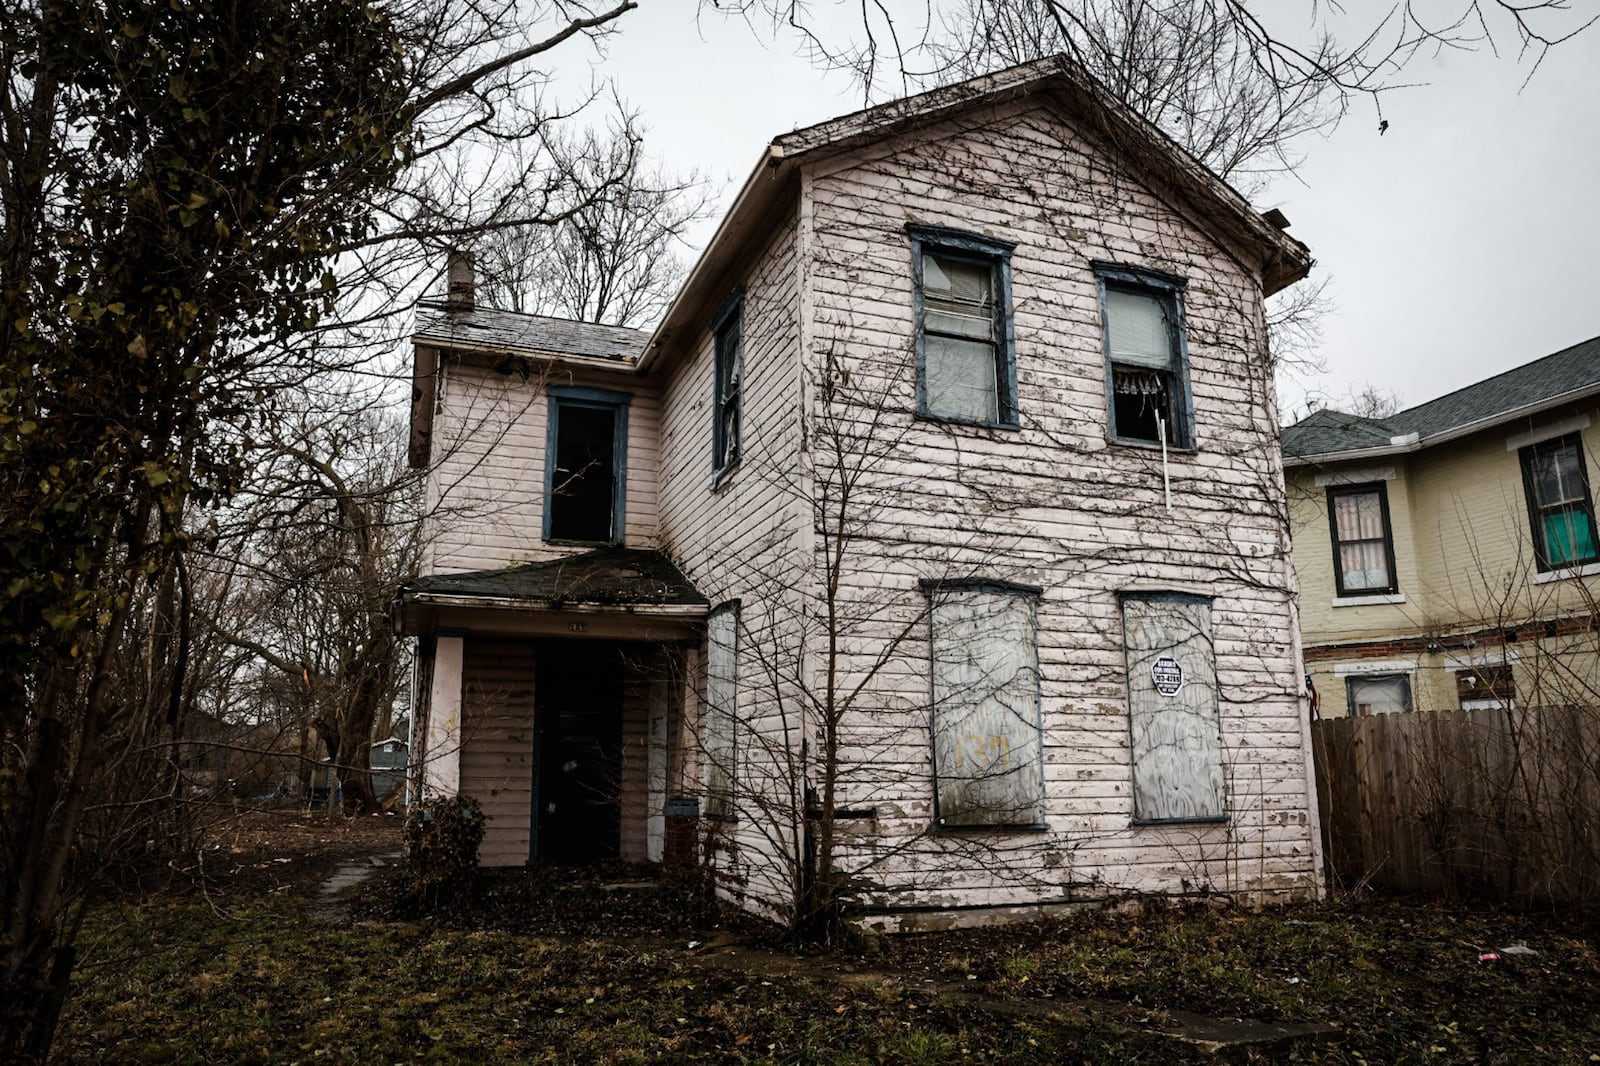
{"x": 461, "y": 283}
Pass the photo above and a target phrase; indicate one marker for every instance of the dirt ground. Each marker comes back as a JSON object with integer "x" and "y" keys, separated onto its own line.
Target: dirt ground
{"x": 257, "y": 961}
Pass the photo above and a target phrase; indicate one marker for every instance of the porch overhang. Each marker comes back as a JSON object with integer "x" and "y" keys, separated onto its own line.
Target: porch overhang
{"x": 609, "y": 593}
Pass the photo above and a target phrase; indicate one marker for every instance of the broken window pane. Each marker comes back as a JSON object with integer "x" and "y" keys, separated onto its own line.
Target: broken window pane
{"x": 986, "y": 744}
{"x": 1172, "y": 708}
{"x": 583, "y": 483}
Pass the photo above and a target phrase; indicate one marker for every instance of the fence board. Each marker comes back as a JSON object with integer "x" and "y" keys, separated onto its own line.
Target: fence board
{"x": 1504, "y": 803}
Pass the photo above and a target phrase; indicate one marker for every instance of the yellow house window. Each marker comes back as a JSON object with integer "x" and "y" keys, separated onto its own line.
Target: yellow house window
{"x": 1559, "y": 505}
{"x": 1363, "y": 542}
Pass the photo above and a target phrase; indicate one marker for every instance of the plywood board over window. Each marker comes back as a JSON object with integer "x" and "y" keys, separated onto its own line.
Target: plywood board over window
{"x": 1173, "y": 714}
{"x": 988, "y": 759}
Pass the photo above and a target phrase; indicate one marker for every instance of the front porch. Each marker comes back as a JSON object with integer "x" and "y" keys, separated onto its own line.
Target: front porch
{"x": 557, "y": 694}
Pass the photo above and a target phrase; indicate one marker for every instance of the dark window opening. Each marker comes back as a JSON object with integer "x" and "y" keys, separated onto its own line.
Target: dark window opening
{"x": 1143, "y": 322}
{"x": 583, "y": 485}
{"x": 1141, "y": 404}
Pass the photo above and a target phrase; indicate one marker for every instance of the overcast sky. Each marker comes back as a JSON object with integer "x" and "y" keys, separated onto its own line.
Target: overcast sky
{"x": 1461, "y": 243}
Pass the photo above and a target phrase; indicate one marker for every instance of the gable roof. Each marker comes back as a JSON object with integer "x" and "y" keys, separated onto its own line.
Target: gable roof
{"x": 1570, "y": 374}
{"x": 486, "y": 330}
{"x": 1284, "y": 260}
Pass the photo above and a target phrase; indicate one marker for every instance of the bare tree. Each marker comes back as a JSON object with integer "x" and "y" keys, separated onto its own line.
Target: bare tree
{"x": 331, "y": 530}
{"x": 165, "y": 243}
{"x": 616, "y": 256}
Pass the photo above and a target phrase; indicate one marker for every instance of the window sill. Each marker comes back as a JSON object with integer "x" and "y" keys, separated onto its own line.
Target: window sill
{"x": 1003, "y": 827}
{"x": 1567, "y": 573}
{"x": 970, "y": 423}
{"x": 1152, "y": 445}
{"x": 722, "y": 477}
{"x": 1215, "y": 819}
{"x": 1369, "y": 601}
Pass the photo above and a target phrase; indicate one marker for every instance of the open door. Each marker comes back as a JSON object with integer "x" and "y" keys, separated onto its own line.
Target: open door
{"x": 577, "y": 810}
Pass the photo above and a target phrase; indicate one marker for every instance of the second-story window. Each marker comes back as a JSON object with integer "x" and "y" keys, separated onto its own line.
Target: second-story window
{"x": 585, "y": 463}
{"x": 1363, "y": 545}
{"x": 728, "y": 329}
{"x": 1146, "y": 377}
{"x": 1559, "y": 504}
{"x": 966, "y": 369}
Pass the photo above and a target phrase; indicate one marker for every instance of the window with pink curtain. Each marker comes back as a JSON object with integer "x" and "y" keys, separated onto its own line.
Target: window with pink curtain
{"x": 1363, "y": 553}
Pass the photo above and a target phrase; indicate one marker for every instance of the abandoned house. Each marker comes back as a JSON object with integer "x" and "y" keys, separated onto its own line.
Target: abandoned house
{"x": 935, "y": 541}
{"x": 1447, "y": 554}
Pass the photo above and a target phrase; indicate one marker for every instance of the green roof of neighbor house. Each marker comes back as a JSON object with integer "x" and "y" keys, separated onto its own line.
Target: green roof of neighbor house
{"x": 622, "y": 577}
{"x": 1567, "y": 375}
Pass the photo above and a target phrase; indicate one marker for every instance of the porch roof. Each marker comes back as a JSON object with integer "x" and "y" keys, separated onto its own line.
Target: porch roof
{"x": 605, "y": 577}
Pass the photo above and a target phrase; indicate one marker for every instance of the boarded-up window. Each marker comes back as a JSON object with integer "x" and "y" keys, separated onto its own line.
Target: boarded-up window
{"x": 987, "y": 753}
{"x": 721, "y": 703}
{"x": 1489, "y": 685}
{"x": 1172, "y": 709}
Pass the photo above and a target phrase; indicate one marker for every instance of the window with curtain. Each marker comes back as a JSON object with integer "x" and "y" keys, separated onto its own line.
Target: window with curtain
{"x": 965, "y": 362}
{"x": 987, "y": 752}
{"x": 721, "y": 710}
{"x": 1363, "y": 545}
{"x": 1378, "y": 694}
{"x": 1559, "y": 504}
{"x": 1149, "y": 400}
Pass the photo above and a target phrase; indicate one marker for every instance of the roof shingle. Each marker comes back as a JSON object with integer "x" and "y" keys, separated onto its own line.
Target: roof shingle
{"x": 484, "y": 328}
{"x": 1570, "y": 370}
{"x": 620, "y": 577}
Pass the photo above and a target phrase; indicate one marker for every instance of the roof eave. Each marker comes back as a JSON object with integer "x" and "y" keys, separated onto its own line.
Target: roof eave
{"x": 423, "y": 598}
{"x": 760, "y": 190}
{"x": 1466, "y": 429}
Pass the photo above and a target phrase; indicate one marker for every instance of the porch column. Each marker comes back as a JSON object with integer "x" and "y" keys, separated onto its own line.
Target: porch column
{"x": 441, "y": 770}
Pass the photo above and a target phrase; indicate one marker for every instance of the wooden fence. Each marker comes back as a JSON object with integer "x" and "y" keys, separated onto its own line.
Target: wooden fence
{"x": 1485, "y": 802}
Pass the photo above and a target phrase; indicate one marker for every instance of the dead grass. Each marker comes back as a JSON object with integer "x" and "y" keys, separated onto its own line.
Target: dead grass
{"x": 569, "y": 969}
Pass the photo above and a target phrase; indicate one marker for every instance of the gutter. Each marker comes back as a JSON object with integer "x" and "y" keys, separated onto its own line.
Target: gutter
{"x": 1412, "y": 442}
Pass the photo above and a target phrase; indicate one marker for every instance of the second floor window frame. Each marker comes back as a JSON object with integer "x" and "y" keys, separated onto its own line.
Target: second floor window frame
{"x": 1381, "y": 491}
{"x": 727, "y": 330}
{"x": 962, "y": 248}
{"x": 1577, "y": 503}
{"x": 1166, "y": 291}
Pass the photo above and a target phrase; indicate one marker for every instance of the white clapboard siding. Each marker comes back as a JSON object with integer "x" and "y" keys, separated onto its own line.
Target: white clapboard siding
{"x": 486, "y": 481}
{"x": 742, "y": 538}
{"x": 1055, "y": 505}
{"x": 497, "y": 743}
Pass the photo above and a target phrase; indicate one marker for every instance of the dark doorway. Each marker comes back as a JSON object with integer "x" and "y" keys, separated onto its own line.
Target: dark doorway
{"x": 577, "y": 815}
{"x": 583, "y": 486}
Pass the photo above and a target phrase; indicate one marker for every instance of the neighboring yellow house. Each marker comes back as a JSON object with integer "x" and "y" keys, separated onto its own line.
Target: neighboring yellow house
{"x": 1447, "y": 555}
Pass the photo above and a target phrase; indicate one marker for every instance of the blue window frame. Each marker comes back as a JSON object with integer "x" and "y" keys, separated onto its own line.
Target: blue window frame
{"x": 966, "y": 340}
{"x": 1147, "y": 360}
{"x": 585, "y": 469}
{"x": 728, "y": 329}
